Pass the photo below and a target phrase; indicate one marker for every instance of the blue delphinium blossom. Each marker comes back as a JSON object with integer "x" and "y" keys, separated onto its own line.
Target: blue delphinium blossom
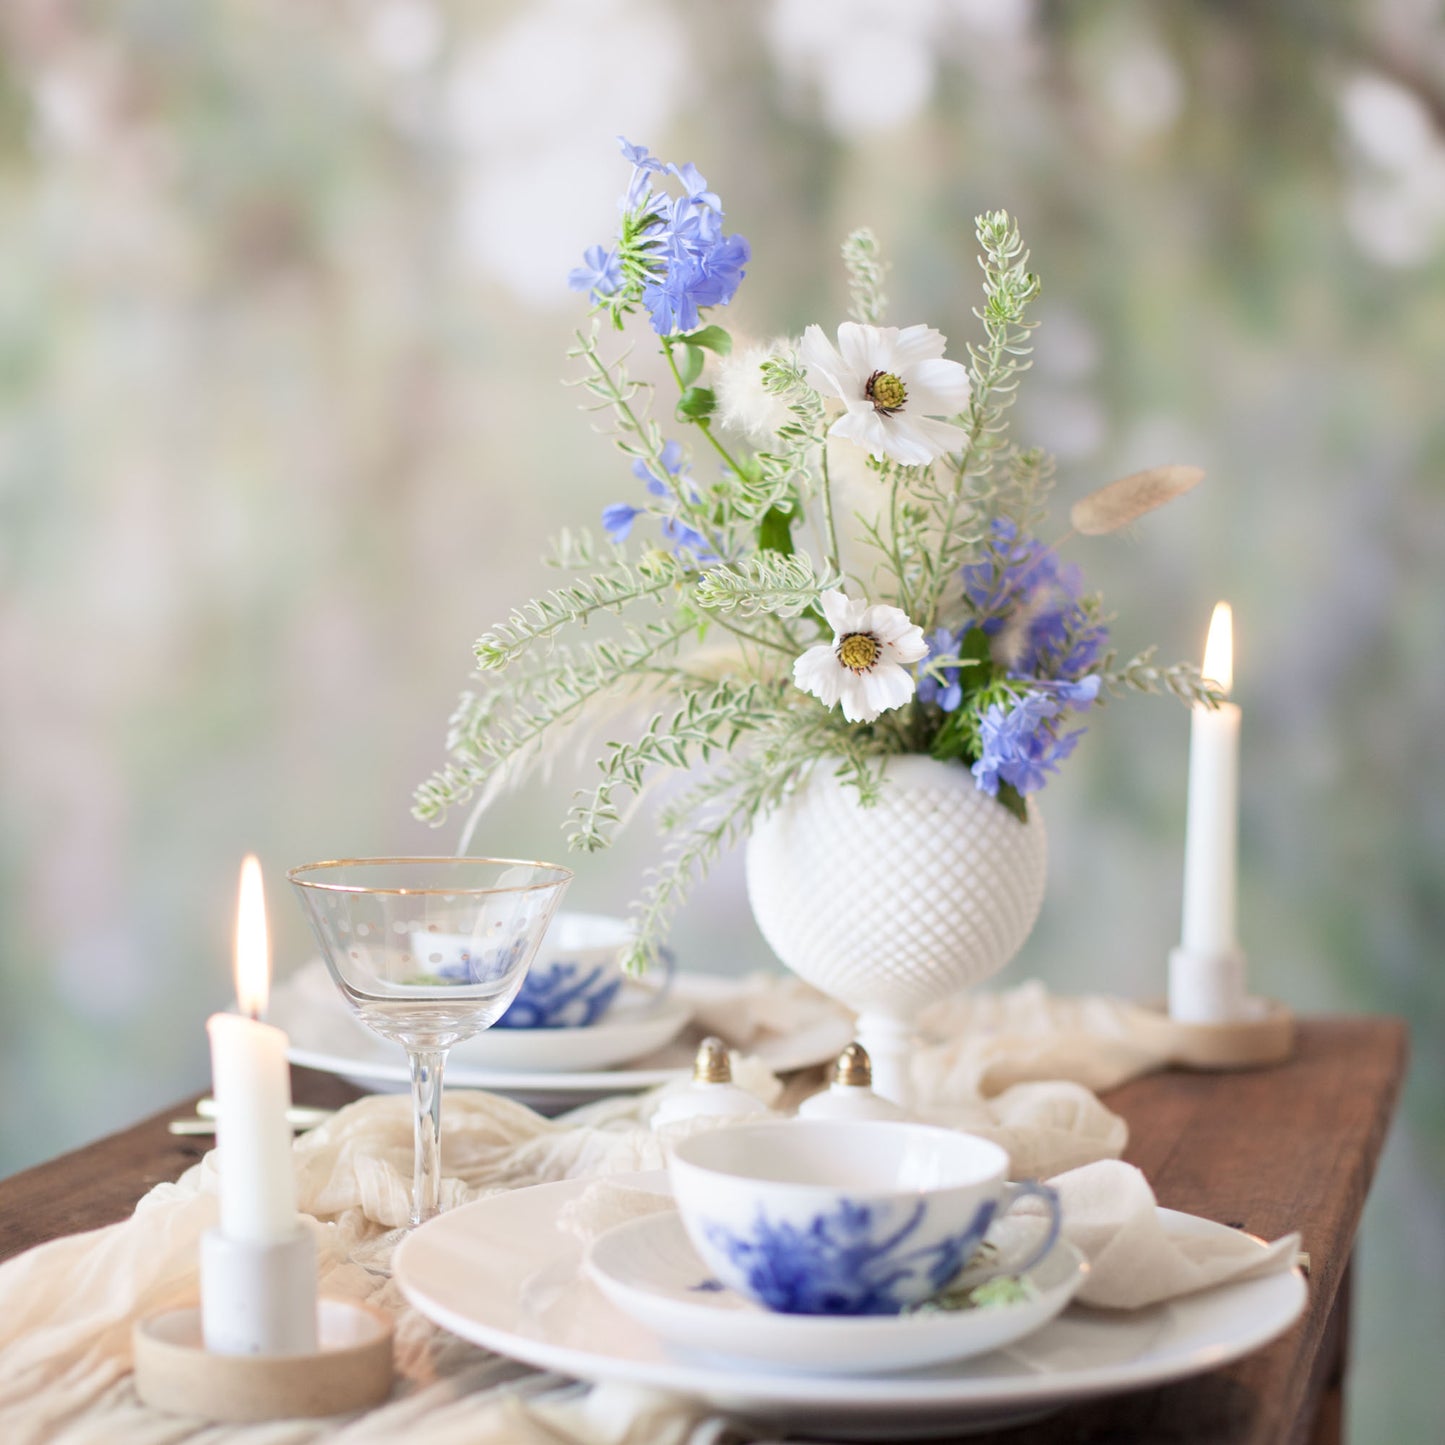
{"x": 1030, "y": 602}
{"x": 1081, "y": 694}
{"x": 1021, "y": 745}
{"x": 600, "y": 274}
{"x": 946, "y": 690}
{"x": 673, "y": 256}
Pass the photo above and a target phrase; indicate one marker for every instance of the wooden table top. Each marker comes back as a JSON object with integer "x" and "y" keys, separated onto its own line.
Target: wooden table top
{"x": 1289, "y": 1148}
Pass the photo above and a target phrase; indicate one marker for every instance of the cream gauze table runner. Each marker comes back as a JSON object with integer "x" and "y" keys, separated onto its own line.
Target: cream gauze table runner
{"x": 1019, "y": 1067}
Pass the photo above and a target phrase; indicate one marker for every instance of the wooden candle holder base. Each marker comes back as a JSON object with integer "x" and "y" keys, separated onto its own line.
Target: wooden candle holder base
{"x": 1264, "y": 1037}
{"x": 352, "y": 1370}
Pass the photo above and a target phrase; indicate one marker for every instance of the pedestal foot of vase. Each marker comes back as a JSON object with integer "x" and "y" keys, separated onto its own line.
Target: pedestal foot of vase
{"x": 890, "y": 1043}
{"x": 893, "y": 907}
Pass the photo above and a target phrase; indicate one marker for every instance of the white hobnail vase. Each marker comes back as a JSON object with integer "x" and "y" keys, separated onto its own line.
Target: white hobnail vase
{"x": 891, "y": 908}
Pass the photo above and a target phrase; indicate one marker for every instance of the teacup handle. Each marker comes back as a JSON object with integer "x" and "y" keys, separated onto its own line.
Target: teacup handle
{"x": 1013, "y": 1192}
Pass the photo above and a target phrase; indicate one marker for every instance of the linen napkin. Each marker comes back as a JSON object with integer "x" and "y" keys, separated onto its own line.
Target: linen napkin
{"x": 1134, "y": 1260}
{"x": 990, "y": 1041}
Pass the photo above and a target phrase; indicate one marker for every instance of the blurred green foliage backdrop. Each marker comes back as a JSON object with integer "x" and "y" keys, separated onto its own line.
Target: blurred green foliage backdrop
{"x": 282, "y": 315}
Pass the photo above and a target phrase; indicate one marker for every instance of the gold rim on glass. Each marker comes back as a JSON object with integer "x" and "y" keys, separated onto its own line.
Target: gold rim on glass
{"x": 563, "y": 875}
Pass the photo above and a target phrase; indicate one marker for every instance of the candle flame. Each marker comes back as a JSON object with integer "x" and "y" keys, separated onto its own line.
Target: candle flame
{"x": 1219, "y": 649}
{"x": 253, "y": 946}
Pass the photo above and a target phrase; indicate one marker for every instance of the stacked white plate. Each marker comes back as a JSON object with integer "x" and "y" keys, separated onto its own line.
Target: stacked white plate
{"x": 511, "y": 1273}
{"x": 642, "y": 1041}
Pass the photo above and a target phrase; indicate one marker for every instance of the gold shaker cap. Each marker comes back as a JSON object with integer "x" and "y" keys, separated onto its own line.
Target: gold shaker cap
{"x": 712, "y": 1065}
{"x": 854, "y": 1069}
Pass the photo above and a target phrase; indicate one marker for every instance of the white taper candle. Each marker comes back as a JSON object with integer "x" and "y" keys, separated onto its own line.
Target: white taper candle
{"x": 258, "y": 1270}
{"x": 252, "y": 1086}
{"x": 1206, "y": 973}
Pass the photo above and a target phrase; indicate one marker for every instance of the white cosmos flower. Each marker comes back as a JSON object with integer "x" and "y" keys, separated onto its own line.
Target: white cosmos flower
{"x": 894, "y": 383}
{"x": 863, "y": 667}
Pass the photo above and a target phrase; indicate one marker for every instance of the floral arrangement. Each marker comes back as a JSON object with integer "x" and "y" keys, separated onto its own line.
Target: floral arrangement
{"x": 844, "y": 566}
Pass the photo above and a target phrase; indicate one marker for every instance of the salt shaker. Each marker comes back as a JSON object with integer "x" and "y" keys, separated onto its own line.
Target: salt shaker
{"x": 850, "y": 1093}
{"x": 711, "y": 1091}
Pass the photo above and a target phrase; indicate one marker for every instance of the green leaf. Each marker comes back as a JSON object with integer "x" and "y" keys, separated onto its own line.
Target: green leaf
{"x": 697, "y": 403}
{"x": 978, "y": 668}
{"x": 950, "y": 742}
{"x": 713, "y": 338}
{"x": 974, "y": 647}
{"x": 1013, "y": 800}
{"x": 775, "y": 532}
{"x": 691, "y": 366}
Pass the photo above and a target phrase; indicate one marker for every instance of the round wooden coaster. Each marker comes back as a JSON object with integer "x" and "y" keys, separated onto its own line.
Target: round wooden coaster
{"x": 351, "y": 1371}
{"x": 1265, "y": 1037}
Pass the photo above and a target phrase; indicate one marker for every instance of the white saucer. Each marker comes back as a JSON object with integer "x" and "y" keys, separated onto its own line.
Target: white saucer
{"x": 325, "y": 1035}
{"x": 648, "y": 1268}
{"x": 506, "y": 1273}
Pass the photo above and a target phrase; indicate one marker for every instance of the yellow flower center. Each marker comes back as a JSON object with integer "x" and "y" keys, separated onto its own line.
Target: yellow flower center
{"x": 858, "y": 651}
{"x": 886, "y": 392}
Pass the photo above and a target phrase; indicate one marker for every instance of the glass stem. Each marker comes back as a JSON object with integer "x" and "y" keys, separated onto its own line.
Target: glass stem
{"x": 426, "y": 1098}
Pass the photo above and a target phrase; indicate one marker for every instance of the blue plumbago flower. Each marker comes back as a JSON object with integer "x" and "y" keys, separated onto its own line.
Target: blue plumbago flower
{"x": 672, "y": 460}
{"x": 600, "y": 273}
{"x": 672, "y": 255}
{"x": 1021, "y": 745}
{"x": 1029, "y": 605}
{"x": 684, "y": 537}
{"x": 947, "y": 692}
{"x": 640, "y": 156}
{"x": 617, "y": 520}
{"x": 699, "y": 272}
{"x": 696, "y": 187}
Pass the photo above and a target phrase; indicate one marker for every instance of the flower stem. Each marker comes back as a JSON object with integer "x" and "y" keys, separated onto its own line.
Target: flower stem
{"x": 826, "y": 494}
{"x": 617, "y": 399}
{"x": 904, "y": 600}
{"x": 704, "y": 427}
{"x": 751, "y": 636}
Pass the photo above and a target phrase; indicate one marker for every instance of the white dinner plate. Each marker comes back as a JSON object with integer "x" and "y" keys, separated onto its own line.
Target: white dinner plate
{"x": 649, "y": 1269}
{"x": 506, "y": 1273}
{"x": 325, "y": 1035}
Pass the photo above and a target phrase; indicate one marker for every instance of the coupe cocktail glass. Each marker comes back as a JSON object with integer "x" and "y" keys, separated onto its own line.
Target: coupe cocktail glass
{"x": 428, "y": 951}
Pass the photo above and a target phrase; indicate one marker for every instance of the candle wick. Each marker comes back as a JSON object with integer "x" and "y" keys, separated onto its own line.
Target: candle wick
{"x": 254, "y": 1014}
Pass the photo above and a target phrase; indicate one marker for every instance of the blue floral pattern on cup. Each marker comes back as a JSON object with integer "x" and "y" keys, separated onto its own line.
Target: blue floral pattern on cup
{"x": 850, "y": 1261}
{"x": 562, "y": 994}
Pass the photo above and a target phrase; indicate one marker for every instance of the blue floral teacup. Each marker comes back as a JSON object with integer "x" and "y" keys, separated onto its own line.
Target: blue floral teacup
{"x": 827, "y": 1217}
{"x": 576, "y": 976}
{"x": 574, "y": 979}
